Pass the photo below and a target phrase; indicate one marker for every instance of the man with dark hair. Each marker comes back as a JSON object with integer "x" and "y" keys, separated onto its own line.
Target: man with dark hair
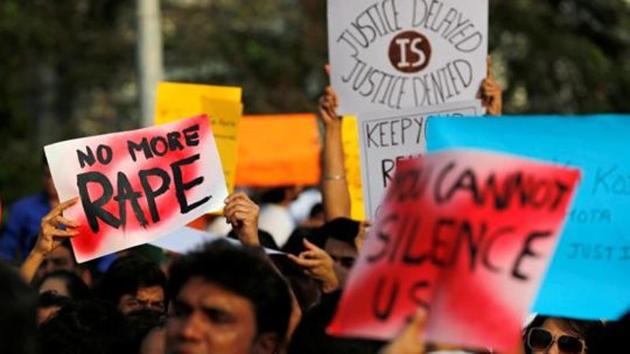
{"x": 134, "y": 283}
{"x": 227, "y": 299}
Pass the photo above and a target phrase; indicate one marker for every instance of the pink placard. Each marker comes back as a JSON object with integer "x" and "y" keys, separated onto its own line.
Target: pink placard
{"x": 466, "y": 235}
{"x": 136, "y": 186}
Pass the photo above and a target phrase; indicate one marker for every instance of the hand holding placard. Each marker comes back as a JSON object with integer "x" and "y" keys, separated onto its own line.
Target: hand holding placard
{"x": 242, "y": 213}
{"x": 136, "y": 186}
{"x": 464, "y": 234}
{"x": 53, "y": 230}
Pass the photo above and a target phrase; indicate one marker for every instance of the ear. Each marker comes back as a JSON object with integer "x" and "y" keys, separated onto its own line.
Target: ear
{"x": 266, "y": 343}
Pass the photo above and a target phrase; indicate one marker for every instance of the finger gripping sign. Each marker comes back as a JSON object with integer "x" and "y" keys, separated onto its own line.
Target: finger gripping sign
{"x": 465, "y": 234}
{"x": 136, "y": 186}
{"x": 393, "y": 54}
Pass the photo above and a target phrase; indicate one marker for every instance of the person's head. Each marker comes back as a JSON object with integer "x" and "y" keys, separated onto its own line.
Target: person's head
{"x": 341, "y": 235}
{"x": 64, "y": 283}
{"x": 61, "y": 258}
{"x": 613, "y": 337}
{"x": 316, "y": 217}
{"x": 48, "y": 305}
{"x": 18, "y": 308}
{"x": 283, "y": 195}
{"x": 310, "y": 336}
{"x": 226, "y": 299}
{"x": 85, "y": 327}
{"x": 547, "y": 335}
{"x": 140, "y": 323}
{"x": 133, "y": 283}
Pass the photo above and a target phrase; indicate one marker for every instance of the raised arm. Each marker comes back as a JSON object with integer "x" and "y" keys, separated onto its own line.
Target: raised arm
{"x": 491, "y": 92}
{"x": 335, "y": 194}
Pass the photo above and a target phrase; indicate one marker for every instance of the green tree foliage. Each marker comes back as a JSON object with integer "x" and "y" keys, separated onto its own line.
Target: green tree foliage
{"x": 563, "y": 56}
{"x": 68, "y": 66}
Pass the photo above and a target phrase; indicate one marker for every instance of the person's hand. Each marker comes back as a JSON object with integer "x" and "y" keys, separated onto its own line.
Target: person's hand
{"x": 328, "y": 104}
{"x": 319, "y": 265}
{"x": 54, "y": 229}
{"x": 411, "y": 339}
{"x": 242, "y": 213}
{"x": 491, "y": 92}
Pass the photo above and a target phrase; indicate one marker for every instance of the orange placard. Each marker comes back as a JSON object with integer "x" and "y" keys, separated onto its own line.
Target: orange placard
{"x": 276, "y": 150}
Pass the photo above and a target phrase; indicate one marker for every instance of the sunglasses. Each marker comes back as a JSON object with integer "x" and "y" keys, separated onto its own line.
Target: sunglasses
{"x": 541, "y": 339}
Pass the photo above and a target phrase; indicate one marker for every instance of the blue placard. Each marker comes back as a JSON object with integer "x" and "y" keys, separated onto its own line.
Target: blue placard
{"x": 589, "y": 276}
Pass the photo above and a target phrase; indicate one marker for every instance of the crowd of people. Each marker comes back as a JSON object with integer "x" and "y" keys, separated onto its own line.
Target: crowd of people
{"x": 224, "y": 298}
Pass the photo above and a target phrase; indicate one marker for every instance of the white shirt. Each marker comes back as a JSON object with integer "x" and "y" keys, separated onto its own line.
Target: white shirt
{"x": 276, "y": 220}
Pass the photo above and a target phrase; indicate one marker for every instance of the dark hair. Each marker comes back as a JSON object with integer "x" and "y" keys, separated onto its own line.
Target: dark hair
{"x": 612, "y": 338}
{"x": 50, "y": 299}
{"x": 274, "y": 195}
{"x": 243, "y": 270}
{"x": 317, "y": 209}
{"x": 265, "y": 239}
{"x": 305, "y": 288}
{"x": 77, "y": 289}
{"x": 139, "y": 323}
{"x": 342, "y": 229}
{"x": 128, "y": 274}
{"x": 18, "y": 309}
{"x": 310, "y": 336}
{"x": 85, "y": 327}
{"x": 580, "y": 328}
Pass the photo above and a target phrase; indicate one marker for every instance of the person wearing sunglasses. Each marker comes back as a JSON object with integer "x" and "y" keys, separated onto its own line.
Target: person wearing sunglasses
{"x": 550, "y": 335}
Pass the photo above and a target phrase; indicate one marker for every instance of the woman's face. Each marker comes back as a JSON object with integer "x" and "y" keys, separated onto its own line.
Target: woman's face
{"x": 554, "y": 337}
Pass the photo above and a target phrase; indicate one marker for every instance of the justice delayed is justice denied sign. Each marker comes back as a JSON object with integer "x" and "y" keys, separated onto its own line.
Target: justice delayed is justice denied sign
{"x": 136, "y": 186}
{"x": 465, "y": 234}
{"x": 393, "y": 54}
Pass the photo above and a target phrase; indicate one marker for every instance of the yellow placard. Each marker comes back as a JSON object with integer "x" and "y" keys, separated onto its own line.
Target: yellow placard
{"x": 225, "y": 117}
{"x": 352, "y": 163}
{"x": 178, "y": 100}
{"x": 222, "y": 105}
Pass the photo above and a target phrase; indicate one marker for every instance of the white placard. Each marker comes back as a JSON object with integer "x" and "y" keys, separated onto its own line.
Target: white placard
{"x": 395, "y": 54}
{"x": 388, "y": 137}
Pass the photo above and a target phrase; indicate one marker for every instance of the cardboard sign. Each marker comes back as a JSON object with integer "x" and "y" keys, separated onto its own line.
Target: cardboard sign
{"x": 222, "y": 104}
{"x": 389, "y": 54}
{"x": 226, "y": 119}
{"x": 465, "y": 234}
{"x": 278, "y": 150}
{"x": 590, "y": 275}
{"x": 137, "y": 185}
{"x": 389, "y": 137}
{"x": 352, "y": 166}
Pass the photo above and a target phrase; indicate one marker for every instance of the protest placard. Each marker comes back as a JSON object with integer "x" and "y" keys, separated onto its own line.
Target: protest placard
{"x": 392, "y": 54}
{"x": 352, "y": 165}
{"x": 466, "y": 235}
{"x": 590, "y": 275}
{"x": 226, "y": 118}
{"x": 278, "y": 150}
{"x": 389, "y": 137}
{"x": 137, "y": 185}
{"x": 222, "y": 104}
